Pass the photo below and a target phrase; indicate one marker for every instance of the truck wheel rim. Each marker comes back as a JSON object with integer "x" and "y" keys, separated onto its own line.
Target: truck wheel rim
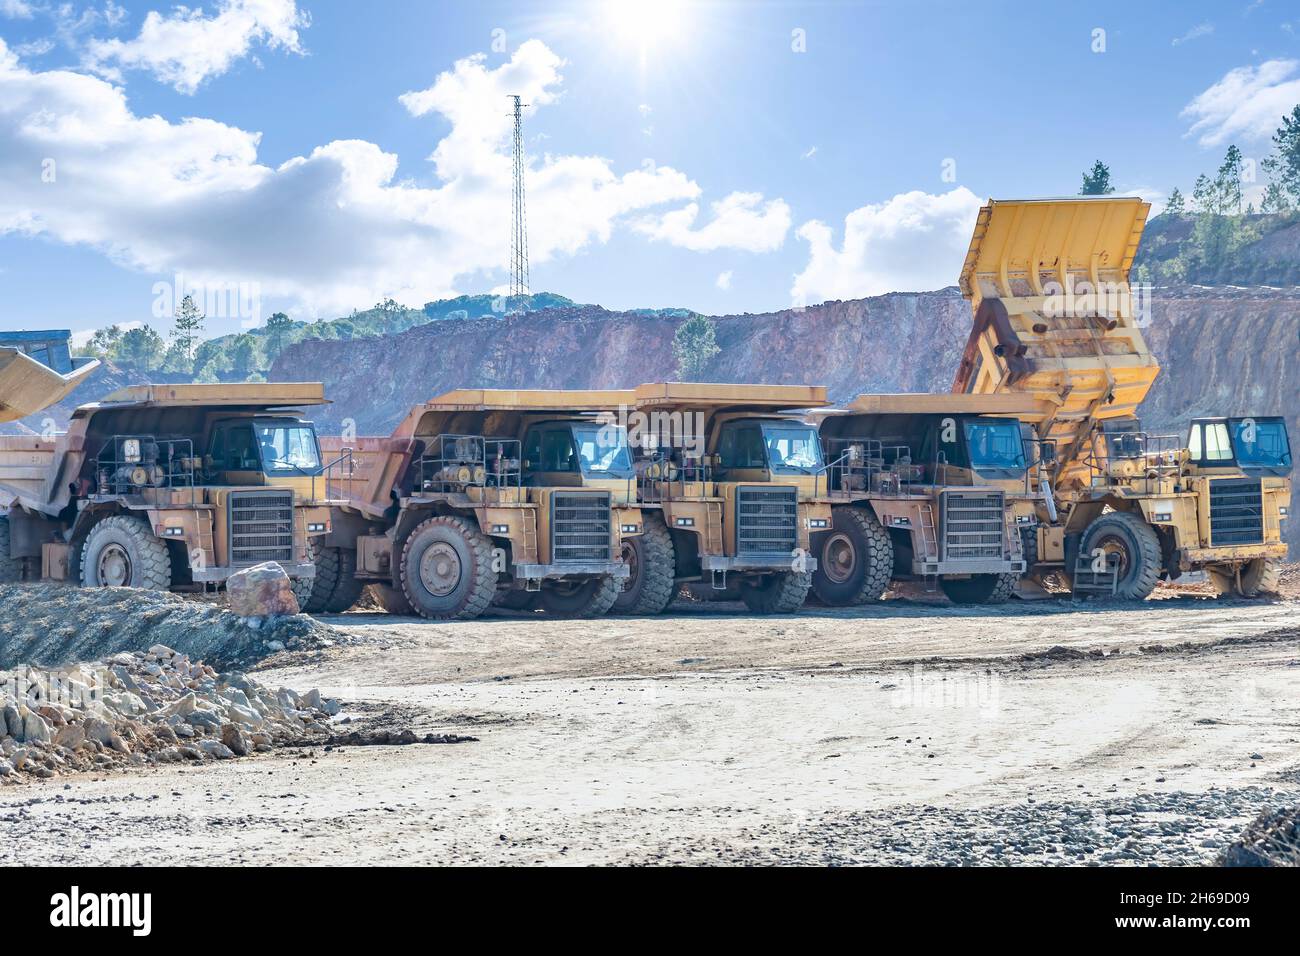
{"x": 1111, "y": 545}
{"x": 839, "y": 558}
{"x": 114, "y": 567}
{"x": 440, "y": 569}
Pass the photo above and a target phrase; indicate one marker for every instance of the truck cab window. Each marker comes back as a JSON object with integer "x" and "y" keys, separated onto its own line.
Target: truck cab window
{"x": 741, "y": 446}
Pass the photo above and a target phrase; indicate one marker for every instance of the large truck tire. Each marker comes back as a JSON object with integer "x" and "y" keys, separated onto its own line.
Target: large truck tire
{"x": 314, "y": 593}
{"x": 446, "y": 569}
{"x": 980, "y": 588}
{"x": 652, "y": 562}
{"x": 11, "y": 569}
{"x": 587, "y": 597}
{"x": 1137, "y": 546}
{"x": 347, "y": 588}
{"x": 1258, "y": 577}
{"x": 122, "y": 551}
{"x": 779, "y": 593}
{"x": 855, "y": 559}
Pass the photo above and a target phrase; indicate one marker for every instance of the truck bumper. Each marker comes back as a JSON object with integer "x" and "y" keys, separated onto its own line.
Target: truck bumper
{"x": 988, "y": 566}
{"x": 1191, "y": 559}
{"x": 220, "y": 575}
{"x": 534, "y": 572}
{"x": 755, "y": 562}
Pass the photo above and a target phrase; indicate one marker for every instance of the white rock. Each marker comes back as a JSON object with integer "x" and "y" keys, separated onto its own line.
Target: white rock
{"x": 35, "y": 728}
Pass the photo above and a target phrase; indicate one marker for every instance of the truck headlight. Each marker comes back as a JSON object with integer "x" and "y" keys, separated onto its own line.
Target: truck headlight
{"x": 631, "y": 529}
{"x": 685, "y": 522}
{"x": 818, "y": 523}
{"x": 1284, "y": 511}
{"x": 315, "y": 528}
{"x": 1024, "y": 519}
{"x": 1162, "y": 516}
{"x": 501, "y": 529}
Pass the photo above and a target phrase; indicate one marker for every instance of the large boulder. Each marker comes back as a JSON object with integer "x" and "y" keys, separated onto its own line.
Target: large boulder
{"x": 262, "y": 591}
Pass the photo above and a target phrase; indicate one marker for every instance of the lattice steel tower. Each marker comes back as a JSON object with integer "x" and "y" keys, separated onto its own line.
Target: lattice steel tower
{"x": 519, "y": 235}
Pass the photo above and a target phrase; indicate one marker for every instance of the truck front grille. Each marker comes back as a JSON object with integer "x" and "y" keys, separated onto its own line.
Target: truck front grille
{"x": 1236, "y": 512}
{"x": 974, "y": 525}
{"x": 580, "y": 527}
{"x": 261, "y": 527}
{"x": 767, "y": 520}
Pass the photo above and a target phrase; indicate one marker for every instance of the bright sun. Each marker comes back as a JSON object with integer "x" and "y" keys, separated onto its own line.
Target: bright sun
{"x": 646, "y": 23}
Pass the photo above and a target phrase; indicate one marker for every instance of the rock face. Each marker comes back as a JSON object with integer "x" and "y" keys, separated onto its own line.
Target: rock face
{"x": 1224, "y": 350}
{"x": 262, "y": 591}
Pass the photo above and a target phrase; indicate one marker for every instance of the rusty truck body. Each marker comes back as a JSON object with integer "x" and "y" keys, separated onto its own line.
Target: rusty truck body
{"x": 522, "y": 498}
{"x": 168, "y": 486}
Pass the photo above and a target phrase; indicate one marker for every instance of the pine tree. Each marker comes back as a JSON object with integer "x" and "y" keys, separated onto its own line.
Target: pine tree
{"x": 141, "y": 349}
{"x": 186, "y": 328}
{"x": 1175, "y": 206}
{"x": 1228, "y": 182}
{"x": 1284, "y": 164}
{"x": 278, "y": 327}
{"x": 1097, "y": 181}
{"x": 695, "y": 343}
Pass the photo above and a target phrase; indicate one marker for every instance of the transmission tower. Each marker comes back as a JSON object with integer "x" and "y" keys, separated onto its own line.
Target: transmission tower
{"x": 519, "y": 235}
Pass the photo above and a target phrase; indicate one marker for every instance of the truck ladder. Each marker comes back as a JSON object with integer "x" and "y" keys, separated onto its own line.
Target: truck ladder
{"x": 530, "y": 545}
{"x": 930, "y": 544}
{"x": 1089, "y": 582}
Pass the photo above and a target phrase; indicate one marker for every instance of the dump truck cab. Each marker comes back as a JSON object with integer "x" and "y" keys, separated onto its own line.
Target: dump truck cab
{"x": 932, "y": 488}
{"x": 1056, "y": 320}
{"x": 522, "y": 498}
{"x": 171, "y": 486}
{"x": 732, "y": 481}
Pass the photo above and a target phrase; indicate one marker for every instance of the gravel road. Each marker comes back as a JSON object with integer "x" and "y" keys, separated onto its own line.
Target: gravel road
{"x": 913, "y": 732}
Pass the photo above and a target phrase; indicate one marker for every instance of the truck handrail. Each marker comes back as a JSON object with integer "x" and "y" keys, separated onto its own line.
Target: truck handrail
{"x": 154, "y": 463}
{"x": 493, "y": 463}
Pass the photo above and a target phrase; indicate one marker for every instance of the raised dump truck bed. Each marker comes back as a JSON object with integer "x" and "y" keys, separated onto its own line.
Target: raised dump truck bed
{"x": 28, "y": 387}
{"x": 1056, "y": 320}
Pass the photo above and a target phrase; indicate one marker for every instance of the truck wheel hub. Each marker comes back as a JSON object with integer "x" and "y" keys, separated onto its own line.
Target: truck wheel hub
{"x": 114, "y": 567}
{"x": 839, "y": 558}
{"x": 440, "y": 569}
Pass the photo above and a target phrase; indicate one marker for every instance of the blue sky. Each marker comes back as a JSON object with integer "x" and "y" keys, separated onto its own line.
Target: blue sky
{"x": 704, "y": 155}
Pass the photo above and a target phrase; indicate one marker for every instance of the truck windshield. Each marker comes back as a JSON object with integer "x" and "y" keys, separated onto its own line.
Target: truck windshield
{"x": 792, "y": 449}
{"x": 602, "y": 451}
{"x": 1260, "y": 444}
{"x": 995, "y": 446}
{"x": 288, "y": 448}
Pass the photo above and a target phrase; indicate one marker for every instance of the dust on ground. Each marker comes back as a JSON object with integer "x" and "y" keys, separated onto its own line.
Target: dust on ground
{"x": 909, "y": 732}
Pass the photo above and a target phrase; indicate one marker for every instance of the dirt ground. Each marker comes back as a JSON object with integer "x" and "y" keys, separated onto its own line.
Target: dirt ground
{"x": 912, "y": 732}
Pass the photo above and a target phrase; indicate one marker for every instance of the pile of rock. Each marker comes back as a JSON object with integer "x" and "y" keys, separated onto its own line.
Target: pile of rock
{"x": 142, "y": 708}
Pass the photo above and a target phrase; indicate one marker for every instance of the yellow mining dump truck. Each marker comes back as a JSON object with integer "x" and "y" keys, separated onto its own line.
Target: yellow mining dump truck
{"x": 482, "y": 495}
{"x": 168, "y": 486}
{"x": 732, "y": 485}
{"x": 924, "y": 488}
{"x": 27, "y": 386}
{"x": 1055, "y": 320}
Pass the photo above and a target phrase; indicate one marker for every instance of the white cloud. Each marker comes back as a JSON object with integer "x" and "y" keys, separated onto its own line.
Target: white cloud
{"x": 330, "y": 230}
{"x": 1195, "y": 33}
{"x": 1248, "y": 103}
{"x": 914, "y": 242}
{"x": 16, "y": 9}
{"x": 812, "y": 151}
{"x": 186, "y": 48}
{"x": 724, "y": 280}
{"x": 740, "y": 221}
